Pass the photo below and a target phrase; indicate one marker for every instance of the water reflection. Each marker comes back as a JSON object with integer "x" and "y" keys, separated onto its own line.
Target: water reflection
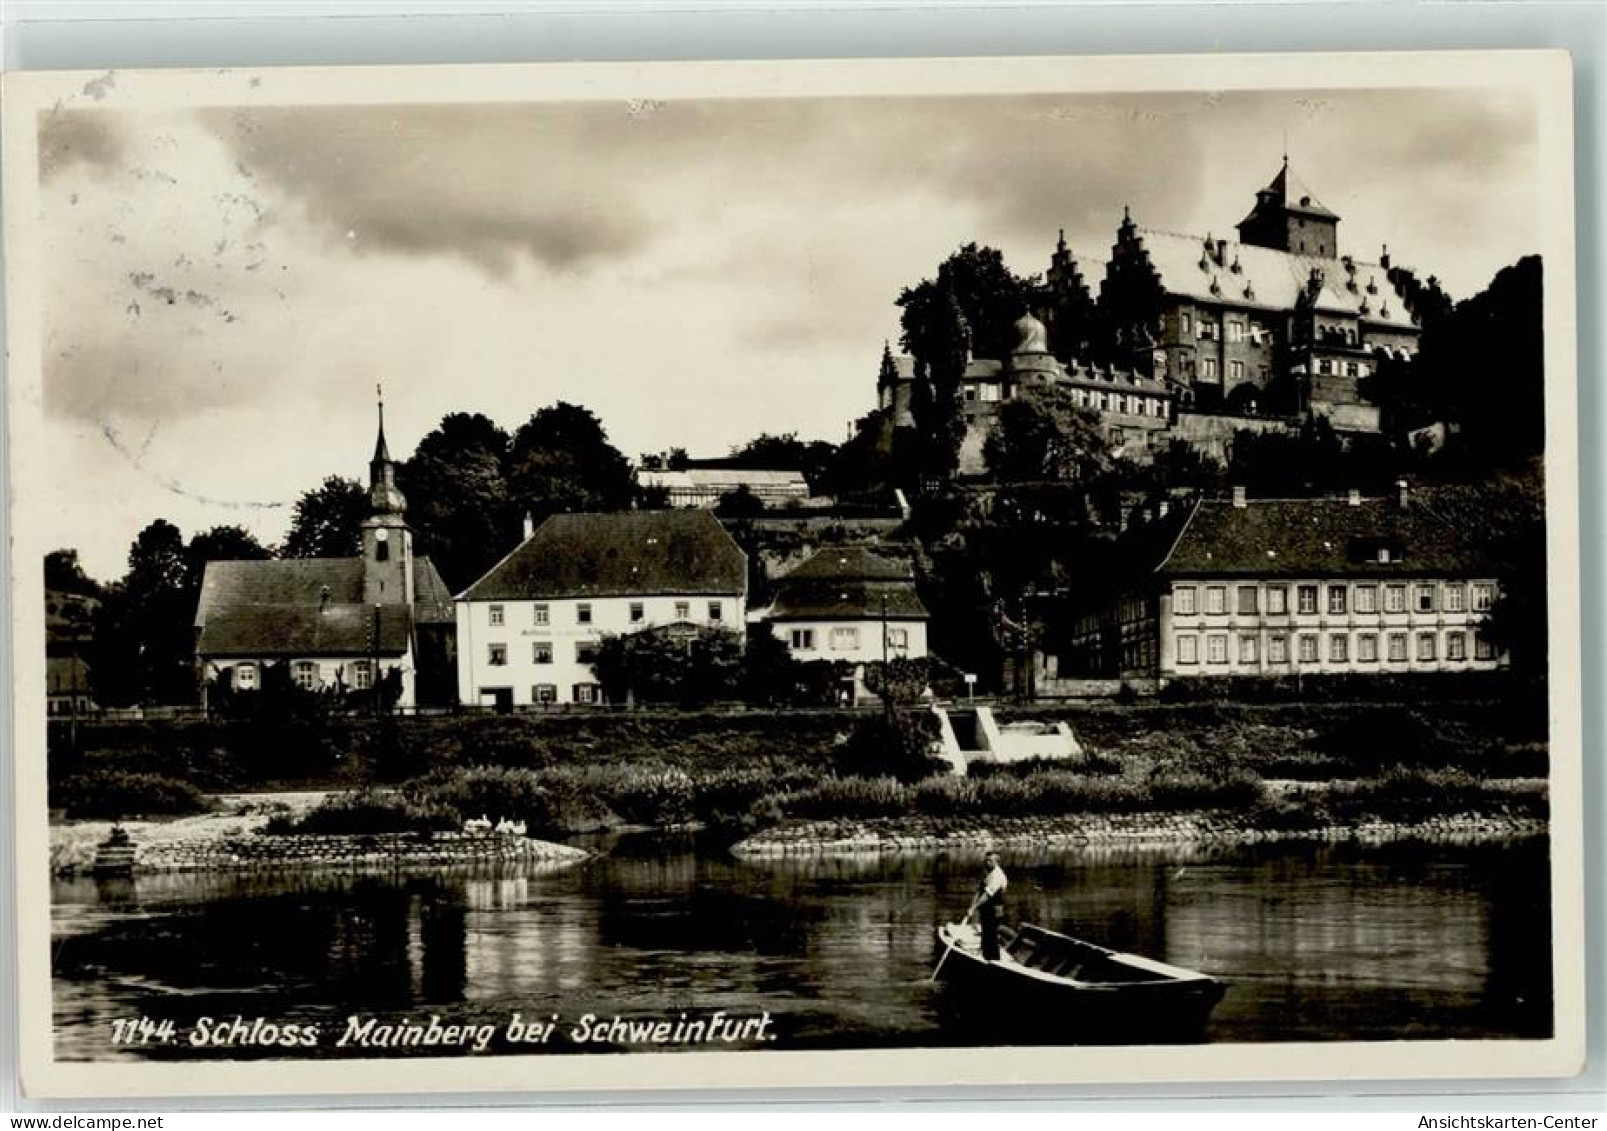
{"x": 1315, "y": 942}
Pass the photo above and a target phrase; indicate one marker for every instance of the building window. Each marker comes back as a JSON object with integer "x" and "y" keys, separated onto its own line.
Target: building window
{"x": 1482, "y": 648}
{"x": 382, "y": 549}
{"x": 716, "y": 612}
{"x": 1208, "y": 369}
{"x": 1236, "y": 370}
{"x": 1454, "y": 599}
{"x": 586, "y": 693}
{"x": 304, "y": 673}
{"x": 1248, "y": 651}
{"x": 1235, "y": 330}
{"x": 585, "y": 651}
{"x": 1277, "y": 648}
{"x": 1184, "y": 595}
{"x": 1367, "y": 648}
{"x": 1307, "y": 597}
{"x": 683, "y": 610}
{"x": 496, "y": 613}
{"x": 1483, "y": 597}
{"x": 245, "y": 677}
{"x": 1397, "y": 647}
{"x": 1188, "y": 324}
{"x": 544, "y": 694}
{"x": 803, "y": 639}
{"x": 1456, "y": 646}
{"x": 1247, "y": 600}
{"x": 1395, "y": 599}
{"x": 1336, "y": 600}
{"x": 1384, "y": 555}
{"x": 1308, "y": 649}
{"x": 844, "y": 638}
{"x": 1325, "y": 367}
{"x": 1425, "y": 598}
{"x": 583, "y": 613}
{"x": 1338, "y": 648}
{"x": 1216, "y": 599}
{"x": 1277, "y": 600}
{"x": 898, "y": 638}
{"x": 1216, "y": 648}
{"x": 1188, "y": 649}
{"x": 541, "y": 652}
{"x": 1350, "y": 369}
{"x": 1426, "y": 645}
{"x": 497, "y": 655}
{"x": 1366, "y": 598}
{"x": 362, "y": 675}
{"x": 543, "y": 616}
{"x": 638, "y": 612}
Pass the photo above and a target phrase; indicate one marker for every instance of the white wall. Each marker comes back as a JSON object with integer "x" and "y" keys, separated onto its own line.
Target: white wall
{"x": 564, "y": 630}
{"x": 331, "y": 670}
{"x": 867, "y": 648}
{"x": 1262, "y": 627}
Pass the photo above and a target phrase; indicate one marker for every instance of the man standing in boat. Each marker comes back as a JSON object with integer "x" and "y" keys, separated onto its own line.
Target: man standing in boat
{"x": 989, "y": 902}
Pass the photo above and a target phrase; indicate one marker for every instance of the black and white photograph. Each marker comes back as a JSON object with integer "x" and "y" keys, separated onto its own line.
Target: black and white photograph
{"x": 894, "y": 572}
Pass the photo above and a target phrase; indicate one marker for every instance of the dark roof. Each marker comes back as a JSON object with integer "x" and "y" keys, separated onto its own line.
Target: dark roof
{"x": 628, "y": 553}
{"x": 1323, "y": 538}
{"x": 277, "y": 608}
{"x": 848, "y": 583}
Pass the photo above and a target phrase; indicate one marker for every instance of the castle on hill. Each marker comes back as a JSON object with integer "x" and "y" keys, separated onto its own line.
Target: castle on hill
{"x": 1208, "y": 336}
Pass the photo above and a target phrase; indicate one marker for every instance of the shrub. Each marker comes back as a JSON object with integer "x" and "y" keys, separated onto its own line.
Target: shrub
{"x": 366, "y": 812}
{"x": 114, "y": 794}
{"x": 897, "y": 746}
{"x": 851, "y": 797}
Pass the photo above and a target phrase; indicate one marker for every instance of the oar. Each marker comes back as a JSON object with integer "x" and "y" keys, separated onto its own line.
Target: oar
{"x": 942, "y": 958}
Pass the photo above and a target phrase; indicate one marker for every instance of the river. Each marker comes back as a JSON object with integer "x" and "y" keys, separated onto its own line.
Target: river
{"x": 1405, "y": 940}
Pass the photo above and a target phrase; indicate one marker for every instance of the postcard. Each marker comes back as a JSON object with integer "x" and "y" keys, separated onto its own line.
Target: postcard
{"x": 901, "y": 572}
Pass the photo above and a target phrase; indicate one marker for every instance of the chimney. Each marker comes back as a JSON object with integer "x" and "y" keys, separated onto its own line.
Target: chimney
{"x": 1221, "y": 251}
{"x": 1353, "y": 497}
{"x": 1383, "y": 258}
{"x": 1239, "y": 499}
{"x": 530, "y": 526}
{"x": 1402, "y": 494}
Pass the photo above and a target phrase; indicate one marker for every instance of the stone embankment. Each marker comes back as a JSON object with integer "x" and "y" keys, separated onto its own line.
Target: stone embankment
{"x": 929, "y": 834}
{"x": 259, "y": 852}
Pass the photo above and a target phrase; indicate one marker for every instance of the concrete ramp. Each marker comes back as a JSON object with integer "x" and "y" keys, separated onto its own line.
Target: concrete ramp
{"x": 972, "y": 734}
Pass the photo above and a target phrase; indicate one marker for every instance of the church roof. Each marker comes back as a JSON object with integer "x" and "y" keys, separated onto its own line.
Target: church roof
{"x": 629, "y": 553}
{"x": 1271, "y": 279}
{"x": 277, "y": 608}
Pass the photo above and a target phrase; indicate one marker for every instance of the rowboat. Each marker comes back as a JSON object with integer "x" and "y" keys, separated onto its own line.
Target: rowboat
{"x": 1082, "y": 991}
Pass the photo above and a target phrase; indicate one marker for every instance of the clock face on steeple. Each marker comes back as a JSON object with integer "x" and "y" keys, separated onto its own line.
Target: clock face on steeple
{"x": 382, "y": 535}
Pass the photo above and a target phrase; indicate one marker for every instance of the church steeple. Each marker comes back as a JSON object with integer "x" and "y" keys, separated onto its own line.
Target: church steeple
{"x": 387, "y": 541}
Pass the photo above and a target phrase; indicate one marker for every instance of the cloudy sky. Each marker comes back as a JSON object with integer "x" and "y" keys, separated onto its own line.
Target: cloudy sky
{"x": 225, "y": 287}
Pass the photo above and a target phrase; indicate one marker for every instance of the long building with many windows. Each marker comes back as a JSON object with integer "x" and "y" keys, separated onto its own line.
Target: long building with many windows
{"x": 1270, "y": 587}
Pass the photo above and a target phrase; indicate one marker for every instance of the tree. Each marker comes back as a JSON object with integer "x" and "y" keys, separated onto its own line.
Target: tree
{"x": 328, "y": 521}
{"x": 785, "y": 452}
{"x": 663, "y": 666}
{"x": 1043, "y": 435}
{"x": 144, "y": 644}
{"x": 457, "y": 497}
{"x": 739, "y": 503}
{"x": 65, "y": 573}
{"x": 561, "y": 460}
{"x": 990, "y": 296}
{"x": 220, "y": 544}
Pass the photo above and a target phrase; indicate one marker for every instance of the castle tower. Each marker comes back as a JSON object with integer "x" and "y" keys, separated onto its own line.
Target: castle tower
{"x": 1287, "y": 217}
{"x": 387, "y": 541}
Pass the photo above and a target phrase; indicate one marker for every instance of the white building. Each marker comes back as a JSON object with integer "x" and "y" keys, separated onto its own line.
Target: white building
{"x": 848, "y": 603}
{"x": 528, "y": 631}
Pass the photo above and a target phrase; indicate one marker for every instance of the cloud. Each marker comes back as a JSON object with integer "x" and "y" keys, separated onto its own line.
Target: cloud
{"x": 77, "y": 137}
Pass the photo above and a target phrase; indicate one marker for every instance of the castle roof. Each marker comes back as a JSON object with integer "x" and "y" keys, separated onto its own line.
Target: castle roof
{"x": 1270, "y": 279}
{"x": 308, "y": 607}
{"x": 629, "y": 553}
{"x": 1292, "y": 195}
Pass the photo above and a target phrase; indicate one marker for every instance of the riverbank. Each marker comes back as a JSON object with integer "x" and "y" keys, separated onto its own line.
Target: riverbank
{"x": 234, "y": 839}
{"x": 899, "y": 835}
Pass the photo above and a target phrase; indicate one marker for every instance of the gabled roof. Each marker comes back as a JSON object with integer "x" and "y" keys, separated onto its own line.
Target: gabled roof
{"x": 1324, "y": 538}
{"x": 1271, "y": 279}
{"x": 848, "y": 583}
{"x": 628, "y": 553}
{"x": 1294, "y": 196}
{"x": 278, "y": 608}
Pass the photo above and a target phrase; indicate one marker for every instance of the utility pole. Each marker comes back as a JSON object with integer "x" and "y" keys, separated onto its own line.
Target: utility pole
{"x": 887, "y": 682}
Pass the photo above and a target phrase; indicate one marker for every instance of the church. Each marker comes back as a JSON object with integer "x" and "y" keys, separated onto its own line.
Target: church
{"x": 345, "y": 625}
{"x": 1203, "y": 335}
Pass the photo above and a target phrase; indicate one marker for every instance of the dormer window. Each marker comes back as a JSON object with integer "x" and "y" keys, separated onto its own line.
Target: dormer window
{"x": 1385, "y": 556}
